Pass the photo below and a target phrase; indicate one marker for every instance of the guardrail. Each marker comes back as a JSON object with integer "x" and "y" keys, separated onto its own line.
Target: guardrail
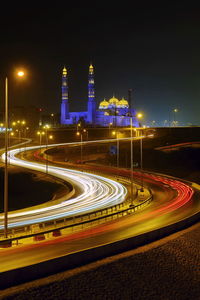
{"x": 75, "y": 259}
{"x": 101, "y": 215}
{"x": 98, "y": 217}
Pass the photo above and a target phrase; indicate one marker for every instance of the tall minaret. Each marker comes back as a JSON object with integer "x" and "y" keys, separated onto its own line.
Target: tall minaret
{"x": 91, "y": 96}
{"x": 64, "y": 104}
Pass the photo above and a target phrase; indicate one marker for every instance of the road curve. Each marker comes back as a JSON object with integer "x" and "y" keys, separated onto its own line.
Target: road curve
{"x": 94, "y": 193}
{"x": 174, "y": 200}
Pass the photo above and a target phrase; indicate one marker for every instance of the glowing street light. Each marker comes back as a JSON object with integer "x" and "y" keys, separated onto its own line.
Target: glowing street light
{"x": 40, "y": 133}
{"x": 116, "y": 133}
{"x": 20, "y": 74}
{"x": 46, "y": 127}
{"x": 78, "y": 133}
{"x": 110, "y": 124}
{"x": 139, "y": 115}
{"x": 175, "y": 110}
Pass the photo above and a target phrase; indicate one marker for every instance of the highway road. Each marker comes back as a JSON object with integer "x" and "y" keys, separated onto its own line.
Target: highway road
{"x": 173, "y": 200}
{"x": 94, "y": 193}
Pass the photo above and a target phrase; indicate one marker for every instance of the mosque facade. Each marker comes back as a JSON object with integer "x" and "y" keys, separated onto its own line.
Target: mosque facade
{"x": 113, "y": 111}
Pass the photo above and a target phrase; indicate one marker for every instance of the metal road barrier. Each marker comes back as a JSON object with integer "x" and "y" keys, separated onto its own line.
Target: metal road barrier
{"x": 98, "y": 217}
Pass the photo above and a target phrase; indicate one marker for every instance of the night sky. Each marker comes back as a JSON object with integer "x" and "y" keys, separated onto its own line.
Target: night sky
{"x": 153, "y": 49}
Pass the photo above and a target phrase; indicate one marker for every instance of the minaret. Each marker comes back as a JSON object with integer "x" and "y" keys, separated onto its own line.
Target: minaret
{"x": 91, "y": 96}
{"x": 64, "y": 104}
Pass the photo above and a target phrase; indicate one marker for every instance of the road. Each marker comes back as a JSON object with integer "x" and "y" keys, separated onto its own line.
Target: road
{"x": 94, "y": 193}
{"x": 174, "y": 200}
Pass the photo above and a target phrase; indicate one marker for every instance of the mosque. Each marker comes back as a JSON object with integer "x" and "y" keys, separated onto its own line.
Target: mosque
{"x": 114, "y": 111}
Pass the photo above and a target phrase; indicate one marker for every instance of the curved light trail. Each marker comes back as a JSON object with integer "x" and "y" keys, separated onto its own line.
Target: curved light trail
{"x": 95, "y": 193}
{"x": 174, "y": 200}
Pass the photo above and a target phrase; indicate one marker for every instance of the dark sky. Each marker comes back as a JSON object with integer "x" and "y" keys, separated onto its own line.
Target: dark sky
{"x": 153, "y": 49}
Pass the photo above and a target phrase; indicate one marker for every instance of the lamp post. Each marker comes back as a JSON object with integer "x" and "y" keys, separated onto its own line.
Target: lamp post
{"x": 46, "y": 127}
{"x": 40, "y": 133}
{"x": 175, "y": 110}
{"x": 110, "y": 124}
{"x": 79, "y": 133}
{"x": 173, "y": 122}
{"x": 53, "y": 120}
{"x": 117, "y": 149}
{"x": 6, "y": 163}
{"x": 140, "y": 115}
{"x": 141, "y": 162}
{"x": 131, "y": 121}
{"x": 116, "y": 133}
{"x": 19, "y": 74}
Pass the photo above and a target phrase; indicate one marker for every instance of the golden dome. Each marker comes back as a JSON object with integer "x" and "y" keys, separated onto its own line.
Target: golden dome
{"x": 123, "y": 103}
{"x": 113, "y": 101}
{"x": 103, "y": 104}
{"x": 64, "y": 71}
{"x": 91, "y": 68}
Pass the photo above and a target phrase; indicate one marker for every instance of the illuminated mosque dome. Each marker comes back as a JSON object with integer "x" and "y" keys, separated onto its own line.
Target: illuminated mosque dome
{"x": 103, "y": 104}
{"x": 123, "y": 103}
{"x": 113, "y": 101}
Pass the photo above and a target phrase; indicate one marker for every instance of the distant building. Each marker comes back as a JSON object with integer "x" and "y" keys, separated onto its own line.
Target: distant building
{"x": 113, "y": 111}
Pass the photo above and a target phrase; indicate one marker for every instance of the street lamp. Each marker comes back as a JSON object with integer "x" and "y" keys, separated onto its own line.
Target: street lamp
{"x": 110, "y": 124}
{"x": 19, "y": 74}
{"x": 53, "y": 120}
{"x": 175, "y": 110}
{"x": 50, "y": 137}
{"x": 141, "y": 161}
{"x": 46, "y": 127}
{"x": 140, "y": 115}
{"x": 79, "y": 133}
{"x": 117, "y": 136}
{"x": 131, "y": 121}
{"x": 40, "y": 133}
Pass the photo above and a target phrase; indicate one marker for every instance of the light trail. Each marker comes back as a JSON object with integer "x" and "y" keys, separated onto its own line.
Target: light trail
{"x": 173, "y": 202}
{"x": 96, "y": 192}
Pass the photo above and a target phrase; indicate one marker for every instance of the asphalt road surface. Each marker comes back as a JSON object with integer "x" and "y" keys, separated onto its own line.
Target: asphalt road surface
{"x": 173, "y": 200}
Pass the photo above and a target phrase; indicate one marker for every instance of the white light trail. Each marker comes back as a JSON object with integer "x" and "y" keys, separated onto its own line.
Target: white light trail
{"x": 96, "y": 192}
